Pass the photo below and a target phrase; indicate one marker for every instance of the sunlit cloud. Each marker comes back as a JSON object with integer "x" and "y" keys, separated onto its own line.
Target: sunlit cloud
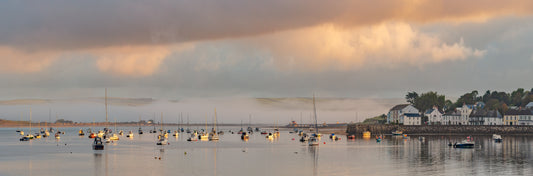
{"x": 134, "y": 60}
{"x": 20, "y": 61}
{"x": 328, "y": 47}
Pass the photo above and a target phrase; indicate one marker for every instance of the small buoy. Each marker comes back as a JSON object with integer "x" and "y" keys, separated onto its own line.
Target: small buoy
{"x": 65, "y": 144}
{"x": 155, "y": 157}
{"x": 185, "y": 153}
{"x": 159, "y": 158}
{"x": 295, "y": 152}
{"x": 324, "y": 142}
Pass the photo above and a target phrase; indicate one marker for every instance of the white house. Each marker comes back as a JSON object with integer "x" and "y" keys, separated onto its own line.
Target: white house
{"x": 485, "y": 117}
{"x": 404, "y": 114}
{"x": 466, "y": 110}
{"x": 434, "y": 115}
{"x": 451, "y": 118}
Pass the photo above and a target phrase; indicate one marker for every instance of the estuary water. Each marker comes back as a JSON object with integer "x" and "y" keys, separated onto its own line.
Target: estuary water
{"x": 72, "y": 155}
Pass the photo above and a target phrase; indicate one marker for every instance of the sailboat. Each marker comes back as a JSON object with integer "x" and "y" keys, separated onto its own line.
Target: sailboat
{"x": 114, "y": 136}
{"x": 18, "y": 128}
{"x": 139, "y": 124}
{"x": 28, "y": 136}
{"x": 162, "y": 136}
{"x": 313, "y": 140}
{"x": 249, "y": 129}
{"x": 97, "y": 144}
{"x": 204, "y": 136}
{"x": 213, "y": 136}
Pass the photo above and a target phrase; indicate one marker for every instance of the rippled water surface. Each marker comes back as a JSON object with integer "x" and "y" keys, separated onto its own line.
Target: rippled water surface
{"x": 72, "y": 155}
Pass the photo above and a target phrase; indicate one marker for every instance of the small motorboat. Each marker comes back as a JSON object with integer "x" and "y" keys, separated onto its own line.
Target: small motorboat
{"x": 176, "y": 134}
{"x": 333, "y": 137}
{"x": 264, "y": 132}
{"x": 140, "y": 131}
{"x": 270, "y": 136}
{"x": 245, "y": 136}
{"x": 162, "y": 140}
{"x": 194, "y": 137}
{"x": 367, "y": 134}
{"x": 27, "y": 137}
{"x": 58, "y": 136}
{"x": 405, "y": 136}
{"x": 213, "y": 136}
{"x": 81, "y": 133}
{"x": 351, "y": 136}
{"x": 497, "y": 138}
{"x": 204, "y": 136}
{"x": 37, "y": 136}
{"x": 467, "y": 143}
{"x": 92, "y": 135}
{"x": 397, "y": 132}
{"x": 121, "y": 132}
{"x": 313, "y": 141}
{"x": 378, "y": 138}
{"x": 304, "y": 137}
{"x": 97, "y": 144}
{"x": 130, "y": 134}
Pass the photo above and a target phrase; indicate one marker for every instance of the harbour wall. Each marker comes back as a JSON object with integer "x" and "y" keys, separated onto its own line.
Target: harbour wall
{"x": 358, "y": 129}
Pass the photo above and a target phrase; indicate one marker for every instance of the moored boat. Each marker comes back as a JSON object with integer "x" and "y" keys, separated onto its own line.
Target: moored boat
{"x": 397, "y": 132}
{"x": 97, "y": 144}
{"x": 367, "y": 134}
{"x": 467, "y": 143}
{"x": 497, "y": 138}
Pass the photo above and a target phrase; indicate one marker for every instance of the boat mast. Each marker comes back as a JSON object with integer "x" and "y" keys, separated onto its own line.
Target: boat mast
{"x": 30, "y": 121}
{"x": 161, "y": 121}
{"x": 314, "y": 109}
{"x": 106, "y": 109}
{"x": 215, "y": 120}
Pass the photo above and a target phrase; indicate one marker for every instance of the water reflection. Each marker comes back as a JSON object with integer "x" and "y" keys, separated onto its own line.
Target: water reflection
{"x": 313, "y": 150}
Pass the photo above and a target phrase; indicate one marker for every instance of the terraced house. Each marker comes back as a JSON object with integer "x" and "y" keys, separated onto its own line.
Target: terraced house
{"x": 518, "y": 117}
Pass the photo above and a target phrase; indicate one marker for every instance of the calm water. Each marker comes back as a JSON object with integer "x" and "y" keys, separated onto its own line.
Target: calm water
{"x": 72, "y": 155}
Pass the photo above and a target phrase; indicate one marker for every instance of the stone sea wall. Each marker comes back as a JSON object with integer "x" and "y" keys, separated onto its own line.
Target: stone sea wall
{"x": 358, "y": 129}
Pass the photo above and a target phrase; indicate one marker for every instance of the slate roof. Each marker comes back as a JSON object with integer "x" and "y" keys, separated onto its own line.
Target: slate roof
{"x": 399, "y": 107}
{"x": 453, "y": 113}
{"x": 411, "y": 115}
{"x": 485, "y": 113}
{"x": 529, "y": 105}
{"x": 518, "y": 112}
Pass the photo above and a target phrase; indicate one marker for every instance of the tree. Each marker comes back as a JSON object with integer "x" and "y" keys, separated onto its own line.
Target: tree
{"x": 427, "y": 100}
{"x": 411, "y": 97}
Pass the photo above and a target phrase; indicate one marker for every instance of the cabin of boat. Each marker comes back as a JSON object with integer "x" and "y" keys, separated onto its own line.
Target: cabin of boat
{"x": 97, "y": 144}
{"x": 497, "y": 138}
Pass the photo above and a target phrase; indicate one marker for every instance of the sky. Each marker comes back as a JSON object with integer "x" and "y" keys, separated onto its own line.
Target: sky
{"x": 238, "y": 49}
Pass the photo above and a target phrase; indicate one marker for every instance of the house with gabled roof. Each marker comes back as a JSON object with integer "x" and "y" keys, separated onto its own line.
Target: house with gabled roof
{"x": 404, "y": 114}
{"x": 434, "y": 116}
{"x": 518, "y": 117}
{"x": 485, "y": 117}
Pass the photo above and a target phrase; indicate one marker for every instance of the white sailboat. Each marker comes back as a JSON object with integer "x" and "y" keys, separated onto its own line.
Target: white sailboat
{"x": 213, "y": 136}
{"x": 313, "y": 140}
{"x": 162, "y": 138}
{"x": 28, "y": 136}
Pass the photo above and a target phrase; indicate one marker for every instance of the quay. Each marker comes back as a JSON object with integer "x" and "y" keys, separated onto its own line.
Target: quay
{"x": 358, "y": 129}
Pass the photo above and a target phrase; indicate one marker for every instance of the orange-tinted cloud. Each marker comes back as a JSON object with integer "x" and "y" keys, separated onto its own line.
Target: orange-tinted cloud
{"x": 134, "y": 60}
{"x": 20, "y": 61}
{"x": 327, "y": 47}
